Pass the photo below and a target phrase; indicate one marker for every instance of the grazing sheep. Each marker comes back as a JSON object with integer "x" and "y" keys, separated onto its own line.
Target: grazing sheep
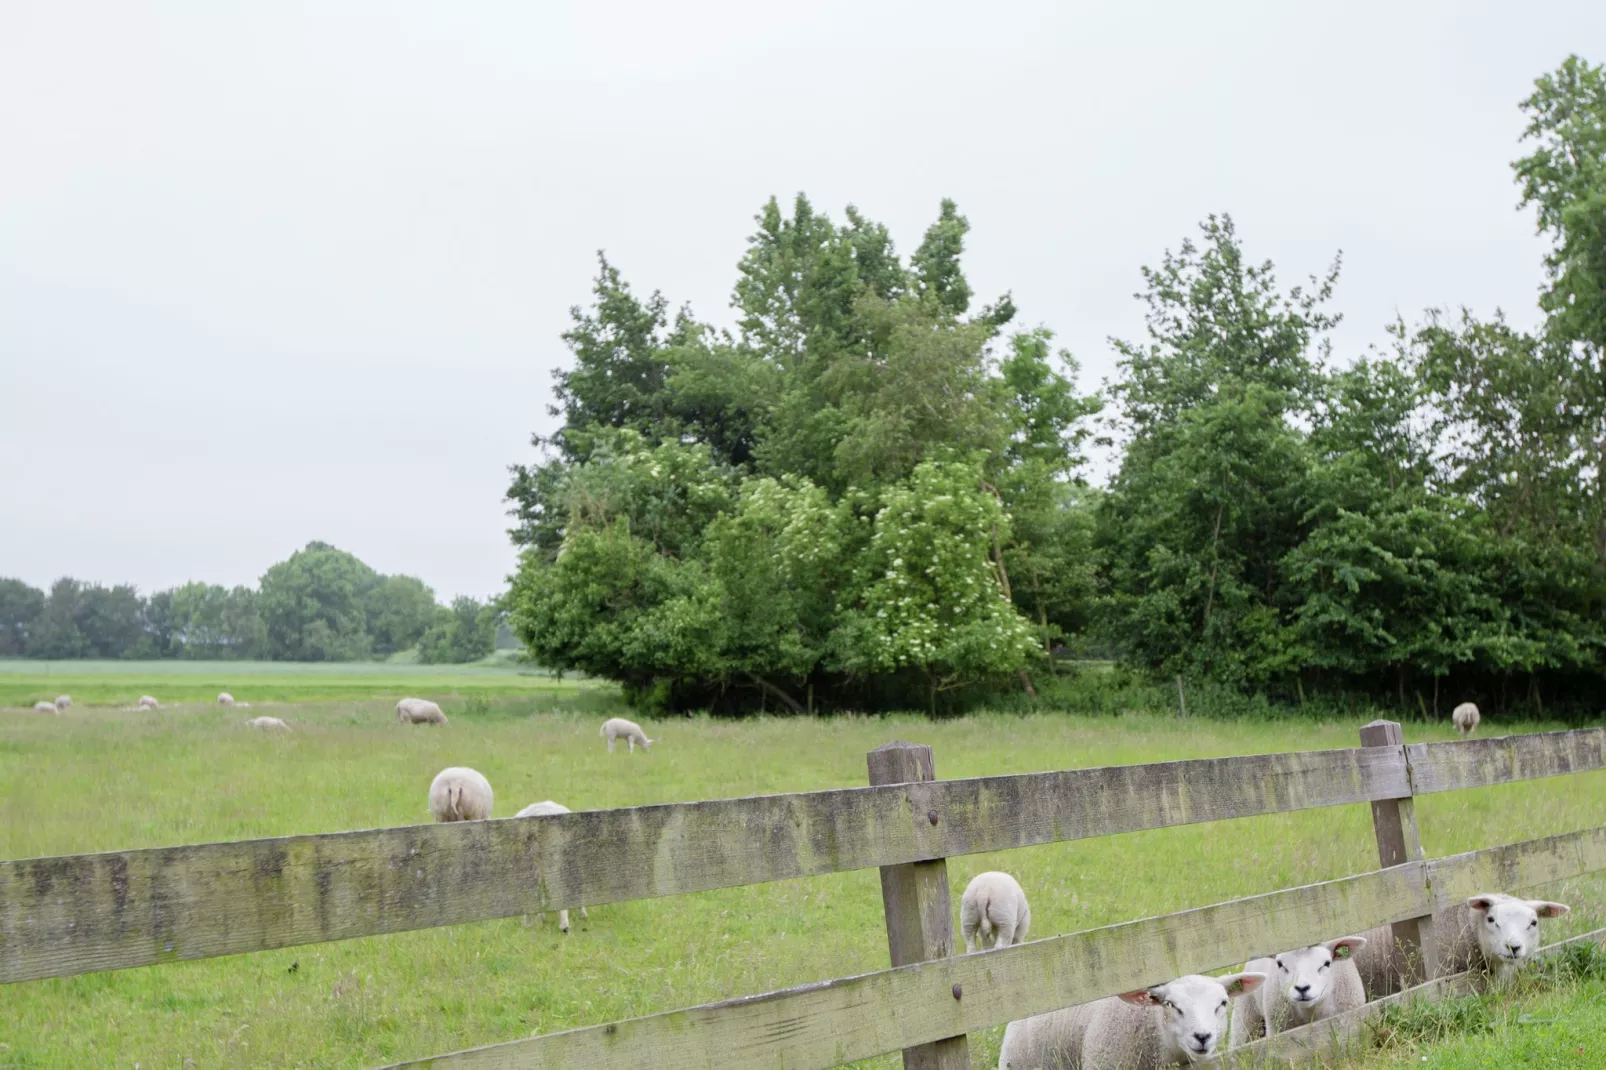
{"x": 268, "y": 724}
{"x": 993, "y": 904}
{"x": 148, "y": 703}
{"x": 1466, "y": 718}
{"x": 45, "y": 707}
{"x": 614, "y": 727}
{"x": 542, "y": 809}
{"x": 225, "y": 699}
{"x": 63, "y": 701}
{"x": 1173, "y": 1024}
{"x": 1468, "y": 940}
{"x": 419, "y": 711}
{"x": 459, "y": 794}
{"x": 1306, "y": 985}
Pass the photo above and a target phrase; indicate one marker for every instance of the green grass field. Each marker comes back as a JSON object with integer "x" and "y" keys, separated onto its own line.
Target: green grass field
{"x": 104, "y": 778}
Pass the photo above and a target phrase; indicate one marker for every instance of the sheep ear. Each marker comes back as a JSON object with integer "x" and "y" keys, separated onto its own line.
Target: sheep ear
{"x": 1241, "y": 984}
{"x": 1547, "y": 909}
{"x": 1482, "y": 902}
{"x": 1144, "y": 997}
{"x": 1345, "y": 946}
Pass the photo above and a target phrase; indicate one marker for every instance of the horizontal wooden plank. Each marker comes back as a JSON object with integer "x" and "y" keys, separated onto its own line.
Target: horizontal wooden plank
{"x": 81, "y": 913}
{"x": 834, "y": 1022}
{"x": 1501, "y": 759}
{"x": 1456, "y": 878}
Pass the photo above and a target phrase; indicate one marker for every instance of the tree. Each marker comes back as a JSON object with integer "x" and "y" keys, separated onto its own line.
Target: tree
{"x": 21, "y": 606}
{"x": 398, "y": 610}
{"x": 465, "y": 632}
{"x": 314, "y": 605}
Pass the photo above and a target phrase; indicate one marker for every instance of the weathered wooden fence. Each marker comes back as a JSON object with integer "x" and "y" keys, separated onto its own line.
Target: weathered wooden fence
{"x": 84, "y": 913}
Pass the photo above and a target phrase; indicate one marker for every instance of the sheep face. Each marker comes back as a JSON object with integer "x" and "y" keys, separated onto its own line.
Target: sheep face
{"x": 1306, "y": 975}
{"x": 1508, "y": 927}
{"x": 1195, "y": 1009}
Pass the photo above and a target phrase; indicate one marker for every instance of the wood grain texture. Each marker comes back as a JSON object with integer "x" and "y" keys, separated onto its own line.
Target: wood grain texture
{"x": 82, "y": 913}
{"x": 1499, "y": 760}
{"x": 827, "y": 1024}
{"x": 916, "y": 901}
{"x": 1398, "y": 841}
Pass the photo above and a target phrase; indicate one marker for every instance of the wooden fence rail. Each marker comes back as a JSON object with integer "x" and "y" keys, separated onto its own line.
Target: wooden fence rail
{"x": 83, "y": 913}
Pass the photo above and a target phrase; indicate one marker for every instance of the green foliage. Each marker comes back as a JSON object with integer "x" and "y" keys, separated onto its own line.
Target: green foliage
{"x": 398, "y": 610}
{"x": 21, "y": 606}
{"x": 314, "y": 605}
{"x": 465, "y": 632}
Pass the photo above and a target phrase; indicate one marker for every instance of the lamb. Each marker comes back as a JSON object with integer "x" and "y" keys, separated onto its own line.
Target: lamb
{"x": 63, "y": 702}
{"x": 419, "y": 711}
{"x": 225, "y": 699}
{"x": 543, "y": 809}
{"x": 994, "y": 904}
{"x": 148, "y": 703}
{"x": 1174, "y": 1024}
{"x": 45, "y": 707}
{"x": 268, "y": 724}
{"x": 1466, "y": 718}
{"x": 1491, "y": 932}
{"x": 615, "y": 727}
{"x": 1307, "y": 985}
{"x": 459, "y": 794}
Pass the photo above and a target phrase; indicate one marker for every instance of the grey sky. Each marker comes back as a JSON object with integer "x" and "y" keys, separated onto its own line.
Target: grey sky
{"x": 273, "y": 272}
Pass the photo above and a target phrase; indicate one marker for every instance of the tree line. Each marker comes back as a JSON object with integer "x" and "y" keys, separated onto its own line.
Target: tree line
{"x": 320, "y": 604}
{"x": 872, "y": 491}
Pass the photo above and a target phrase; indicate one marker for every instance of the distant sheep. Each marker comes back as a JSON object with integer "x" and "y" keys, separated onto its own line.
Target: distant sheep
{"x": 615, "y": 727}
{"x": 45, "y": 707}
{"x": 63, "y": 701}
{"x": 148, "y": 703}
{"x": 419, "y": 711}
{"x": 459, "y": 794}
{"x": 543, "y": 809}
{"x": 1304, "y": 985}
{"x": 1174, "y": 1024}
{"x": 225, "y": 699}
{"x": 1492, "y": 932}
{"x": 994, "y": 905}
{"x": 1466, "y": 718}
{"x": 268, "y": 724}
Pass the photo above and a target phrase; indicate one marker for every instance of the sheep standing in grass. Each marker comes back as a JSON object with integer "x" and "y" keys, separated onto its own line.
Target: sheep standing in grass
{"x": 993, "y": 905}
{"x": 63, "y": 702}
{"x": 45, "y": 707}
{"x": 419, "y": 711}
{"x": 1305, "y": 985}
{"x": 459, "y": 794}
{"x": 615, "y": 727}
{"x": 225, "y": 699}
{"x": 146, "y": 702}
{"x": 1493, "y": 932}
{"x": 1466, "y": 718}
{"x": 1173, "y": 1024}
{"x": 543, "y": 809}
{"x": 268, "y": 724}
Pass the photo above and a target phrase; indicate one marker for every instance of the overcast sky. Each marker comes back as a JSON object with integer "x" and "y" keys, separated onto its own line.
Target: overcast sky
{"x": 274, "y": 272}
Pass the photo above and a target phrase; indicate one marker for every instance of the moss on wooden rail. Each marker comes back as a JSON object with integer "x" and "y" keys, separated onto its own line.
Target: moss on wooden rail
{"x": 1477, "y": 763}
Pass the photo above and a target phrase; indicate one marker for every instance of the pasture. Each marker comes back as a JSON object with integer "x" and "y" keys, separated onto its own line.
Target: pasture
{"x": 99, "y": 778}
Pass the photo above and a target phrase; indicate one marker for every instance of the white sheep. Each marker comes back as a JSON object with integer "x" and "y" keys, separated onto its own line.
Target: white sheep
{"x": 1466, "y": 718}
{"x": 225, "y": 699}
{"x": 615, "y": 727}
{"x": 1173, "y": 1024}
{"x": 63, "y": 702}
{"x": 148, "y": 703}
{"x": 1492, "y": 932}
{"x": 460, "y": 794}
{"x": 45, "y": 707}
{"x": 419, "y": 711}
{"x": 1305, "y": 985}
{"x": 543, "y": 809}
{"x": 994, "y": 905}
{"x": 268, "y": 724}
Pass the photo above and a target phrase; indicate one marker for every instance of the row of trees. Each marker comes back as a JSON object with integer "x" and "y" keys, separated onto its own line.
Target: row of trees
{"x": 871, "y": 492}
{"x": 321, "y": 604}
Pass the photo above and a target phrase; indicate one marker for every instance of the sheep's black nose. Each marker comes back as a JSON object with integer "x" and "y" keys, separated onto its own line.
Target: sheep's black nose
{"x": 1516, "y": 949}
{"x": 1303, "y": 990}
{"x": 1203, "y": 1038}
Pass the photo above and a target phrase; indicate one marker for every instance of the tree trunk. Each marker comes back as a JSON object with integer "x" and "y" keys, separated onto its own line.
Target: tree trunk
{"x": 780, "y": 696}
{"x": 1026, "y": 682}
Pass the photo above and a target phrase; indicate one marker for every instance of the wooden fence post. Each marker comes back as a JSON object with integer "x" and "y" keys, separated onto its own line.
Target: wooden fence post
{"x": 920, "y": 922}
{"x": 1394, "y": 822}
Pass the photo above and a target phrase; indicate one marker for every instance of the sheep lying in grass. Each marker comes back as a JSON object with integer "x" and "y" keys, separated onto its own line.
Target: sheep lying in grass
{"x": 616, "y": 727}
{"x": 459, "y": 794}
{"x": 419, "y": 711}
{"x": 1493, "y": 932}
{"x": 1304, "y": 985}
{"x": 542, "y": 809}
{"x": 225, "y": 699}
{"x": 1173, "y": 1024}
{"x": 146, "y": 702}
{"x": 268, "y": 724}
{"x": 63, "y": 702}
{"x": 993, "y": 905}
{"x": 45, "y": 707}
{"x": 1466, "y": 718}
